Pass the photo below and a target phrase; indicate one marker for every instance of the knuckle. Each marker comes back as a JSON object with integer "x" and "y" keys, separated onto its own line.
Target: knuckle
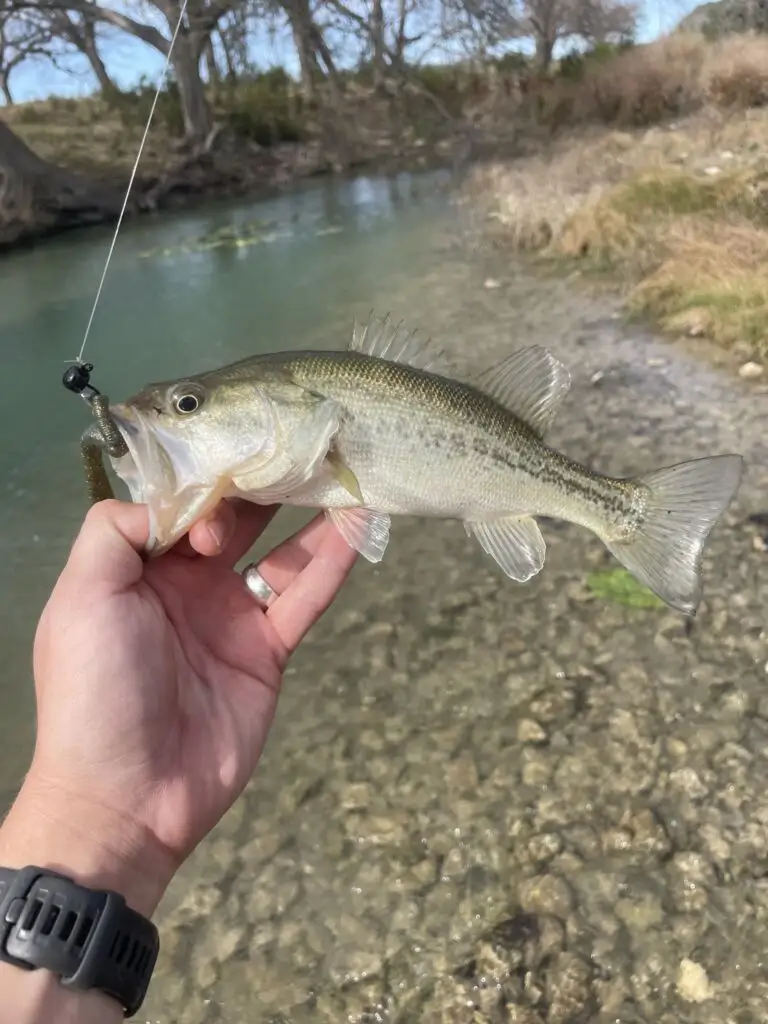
{"x": 102, "y": 511}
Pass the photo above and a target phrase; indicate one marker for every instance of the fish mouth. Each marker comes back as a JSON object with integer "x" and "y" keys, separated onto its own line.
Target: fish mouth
{"x": 160, "y": 470}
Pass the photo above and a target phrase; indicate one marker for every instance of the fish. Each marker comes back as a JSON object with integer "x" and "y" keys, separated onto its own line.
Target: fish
{"x": 386, "y": 427}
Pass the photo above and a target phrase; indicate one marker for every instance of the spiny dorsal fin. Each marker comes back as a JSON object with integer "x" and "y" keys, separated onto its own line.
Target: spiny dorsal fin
{"x": 397, "y": 344}
{"x": 531, "y": 383}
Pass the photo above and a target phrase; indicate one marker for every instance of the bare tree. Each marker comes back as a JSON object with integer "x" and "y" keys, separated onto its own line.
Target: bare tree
{"x": 385, "y": 30}
{"x": 201, "y": 20}
{"x": 22, "y": 38}
{"x": 79, "y": 29}
{"x": 597, "y": 21}
{"x": 549, "y": 22}
{"x": 28, "y": 33}
{"x": 315, "y": 58}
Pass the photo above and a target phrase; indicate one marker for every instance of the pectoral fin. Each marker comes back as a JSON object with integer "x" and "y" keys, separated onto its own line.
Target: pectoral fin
{"x": 364, "y": 529}
{"x": 515, "y": 543}
{"x": 344, "y": 475}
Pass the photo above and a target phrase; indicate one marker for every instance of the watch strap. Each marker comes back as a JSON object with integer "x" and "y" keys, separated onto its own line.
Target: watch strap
{"x": 89, "y": 937}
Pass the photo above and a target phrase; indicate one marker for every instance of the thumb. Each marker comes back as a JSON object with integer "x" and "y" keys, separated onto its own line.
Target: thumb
{"x": 107, "y": 551}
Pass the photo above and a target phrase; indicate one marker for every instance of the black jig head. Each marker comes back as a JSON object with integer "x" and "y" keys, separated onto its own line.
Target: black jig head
{"x": 77, "y": 378}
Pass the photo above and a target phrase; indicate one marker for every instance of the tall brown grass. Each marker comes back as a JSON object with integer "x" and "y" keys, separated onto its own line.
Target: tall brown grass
{"x": 661, "y": 177}
{"x": 641, "y": 86}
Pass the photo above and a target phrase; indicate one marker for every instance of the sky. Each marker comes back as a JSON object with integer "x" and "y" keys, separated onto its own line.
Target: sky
{"x": 128, "y": 60}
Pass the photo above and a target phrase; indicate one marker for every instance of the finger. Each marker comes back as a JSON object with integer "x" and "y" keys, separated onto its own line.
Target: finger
{"x": 250, "y": 522}
{"x": 284, "y": 563}
{"x": 299, "y": 607}
{"x": 211, "y": 535}
{"x": 107, "y": 550}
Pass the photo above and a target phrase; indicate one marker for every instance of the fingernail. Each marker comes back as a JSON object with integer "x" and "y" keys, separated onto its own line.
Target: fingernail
{"x": 218, "y": 532}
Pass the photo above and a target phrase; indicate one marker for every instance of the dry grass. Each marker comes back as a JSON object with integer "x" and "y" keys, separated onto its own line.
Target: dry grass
{"x": 87, "y": 135}
{"x": 100, "y": 135}
{"x": 678, "y": 212}
{"x": 714, "y": 286}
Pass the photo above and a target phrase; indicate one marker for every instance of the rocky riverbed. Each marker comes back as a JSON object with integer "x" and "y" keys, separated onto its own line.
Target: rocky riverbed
{"x": 484, "y": 802}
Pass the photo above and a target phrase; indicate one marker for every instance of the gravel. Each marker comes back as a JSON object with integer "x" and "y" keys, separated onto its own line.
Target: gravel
{"x": 484, "y": 802}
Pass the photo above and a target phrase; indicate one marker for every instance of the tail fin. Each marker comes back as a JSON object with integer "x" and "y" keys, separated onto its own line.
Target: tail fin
{"x": 684, "y": 503}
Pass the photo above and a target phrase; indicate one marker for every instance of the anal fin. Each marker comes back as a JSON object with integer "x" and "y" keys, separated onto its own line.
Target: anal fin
{"x": 364, "y": 529}
{"x": 515, "y": 543}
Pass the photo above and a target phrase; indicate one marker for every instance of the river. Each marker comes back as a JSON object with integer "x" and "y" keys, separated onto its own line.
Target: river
{"x": 481, "y": 803}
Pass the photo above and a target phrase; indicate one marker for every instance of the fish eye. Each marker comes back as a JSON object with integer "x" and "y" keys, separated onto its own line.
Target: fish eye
{"x": 186, "y": 403}
{"x": 187, "y": 400}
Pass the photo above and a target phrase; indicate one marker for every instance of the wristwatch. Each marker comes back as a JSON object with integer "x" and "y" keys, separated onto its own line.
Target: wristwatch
{"x": 89, "y": 937}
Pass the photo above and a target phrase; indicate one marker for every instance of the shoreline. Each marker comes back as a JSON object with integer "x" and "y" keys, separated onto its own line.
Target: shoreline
{"x": 204, "y": 186}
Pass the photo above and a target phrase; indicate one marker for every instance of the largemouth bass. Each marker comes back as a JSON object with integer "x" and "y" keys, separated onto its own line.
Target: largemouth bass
{"x": 386, "y": 428}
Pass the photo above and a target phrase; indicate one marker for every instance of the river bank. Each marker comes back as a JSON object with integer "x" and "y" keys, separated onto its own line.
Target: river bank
{"x": 673, "y": 211}
{"x": 66, "y": 163}
{"x": 493, "y": 803}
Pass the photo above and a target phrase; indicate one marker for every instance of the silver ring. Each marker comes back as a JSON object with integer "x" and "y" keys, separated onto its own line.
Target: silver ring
{"x": 258, "y": 586}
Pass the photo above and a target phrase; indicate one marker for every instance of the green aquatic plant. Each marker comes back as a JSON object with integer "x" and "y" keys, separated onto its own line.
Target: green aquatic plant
{"x": 620, "y": 587}
{"x": 230, "y": 236}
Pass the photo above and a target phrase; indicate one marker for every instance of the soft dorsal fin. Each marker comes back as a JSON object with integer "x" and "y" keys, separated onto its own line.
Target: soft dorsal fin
{"x": 531, "y": 383}
{"x": 397, "y": 344}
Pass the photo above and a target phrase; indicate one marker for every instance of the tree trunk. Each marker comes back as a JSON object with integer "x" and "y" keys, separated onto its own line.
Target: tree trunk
{"x": 310, "y": 69}
{"x": 311, "y": 49}
{"x": 194, "y": 104}
{"x": 211, "y": 67}
{"x": 91, "y": 51}
{"x": 321, "y": 49}
{"x": 544, "y": 48}
{"x": 376, "y": 29}
{"x": 38, "y": 198}
{"x": 5, "y": 87}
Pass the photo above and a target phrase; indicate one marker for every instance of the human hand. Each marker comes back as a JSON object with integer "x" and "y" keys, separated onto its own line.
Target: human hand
{"x": 156, "y": 686}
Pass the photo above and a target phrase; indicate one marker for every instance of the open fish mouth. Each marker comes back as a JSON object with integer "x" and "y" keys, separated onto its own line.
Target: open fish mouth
{"x": 161, "y": 471}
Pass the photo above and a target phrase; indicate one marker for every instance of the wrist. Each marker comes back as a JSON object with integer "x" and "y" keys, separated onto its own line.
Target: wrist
{"x": 89, "y": 843}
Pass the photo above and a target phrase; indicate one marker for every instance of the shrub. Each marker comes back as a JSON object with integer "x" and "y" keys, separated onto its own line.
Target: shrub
{"x": 736, "y": 72}
{"x": 264, "y": 108}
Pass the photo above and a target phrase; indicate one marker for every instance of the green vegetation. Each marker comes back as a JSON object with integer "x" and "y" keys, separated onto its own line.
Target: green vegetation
{"x": 620, "y": 587}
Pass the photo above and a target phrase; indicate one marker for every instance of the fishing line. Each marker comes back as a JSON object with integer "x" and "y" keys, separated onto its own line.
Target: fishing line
{"x": 133, "y": 175}
{"x": 77, "y": 377}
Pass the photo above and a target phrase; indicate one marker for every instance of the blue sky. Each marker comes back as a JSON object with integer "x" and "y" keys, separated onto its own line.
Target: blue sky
{"x": 128, "y": 60}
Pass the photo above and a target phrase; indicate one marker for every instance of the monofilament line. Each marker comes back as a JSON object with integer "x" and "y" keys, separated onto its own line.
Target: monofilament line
{"x": 133, "y": 175}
